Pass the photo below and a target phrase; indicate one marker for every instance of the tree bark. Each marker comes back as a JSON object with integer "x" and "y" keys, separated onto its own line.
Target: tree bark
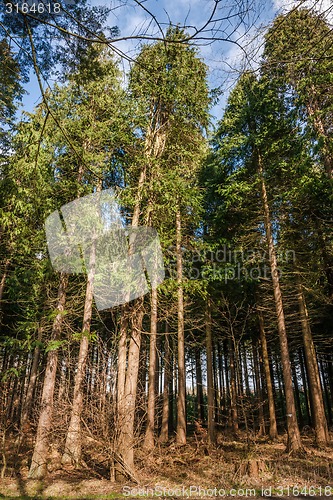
{"x": 149, "y": 441}
{"x": 270, "y": 395}
{"x": 313, "y": 111}
{"x": 227, "y": 384}
{"x": 222, "y": 401}
{"x": 164, "y": 435}
{"x": 172, "y": 388}
{"x": 210, "y": 381}
{"x": 305, "y": 387}
{"x": 318, "y": 416}
{"x": 327, "y": 258}
{"x": 215, "y": 384}
{"x": 329, "y": 364}
{"x": 27, "y": 404}
{"x": 73, "y": 445}
{"x": 128, "y": 374}
{"x": 294, "y": 438}
{"x": 126, "y": 441}
{"x": 326, "y": 392}
{"x": 239, "y": 371}
{"x": 181, "y": 397}
{"x": 198, "y": 372}
{"x": 141, "y": 391}
{"x": 297, "y": 397}
{"x": 259, "y": 396}
{"x": 122, "y": 356}
{"x": 38, "y": 468}
{"x": 233, "y": 390}
{"x": 246, "y": 373}
{"x": 62, "y": 391}
{"x": 3, "y": 282}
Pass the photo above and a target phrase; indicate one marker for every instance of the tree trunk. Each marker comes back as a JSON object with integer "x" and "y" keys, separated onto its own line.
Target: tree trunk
{"x": 294, "y": 438}
{"x": 73, "y": 445}
{"x": 330, "y": 374}
{"x": 239, "y": 371}
{"x": 125, "y": 445}
{"x": 233, "y": 389}
{"x": 313, "y": 111}
{"x": 259, "y": 396}
{"x": 38, "y": 467}
{"x": 27, "y": 404}
{"x": 172, "y": 387}
{"x": 246, "y": 373}
{"x": 227, "y": 385}
{"x": 199, "y": 388}
{"x": 158, "y": 381}
{"x": 128, "y": 374}
{"x": 222, "y": 402}
{"x": 210, "y": 382}
{"x": 297, "y": 397}
{"x": 270, "y": 395}
{"x": 141, "y": 391}
{"x": 122, "y": 356}
{"x": 3, "y": 282}
{"x": 181, "y": 397}
{"x": 215, "y": 384}
{"x": 318, "y": 416}
{"x": 62, "y": 391}
{"x": 305, "y": 387}
{"x": 326, "y": 392}
{"x": 281, "y": 393}
{"x": 164, "y": 435}
{"x": 327, "y": 258}
{"x": 149, "y": 441}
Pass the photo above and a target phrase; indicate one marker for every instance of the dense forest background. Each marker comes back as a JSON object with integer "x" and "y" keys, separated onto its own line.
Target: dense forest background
{"x": 236, "y": 343}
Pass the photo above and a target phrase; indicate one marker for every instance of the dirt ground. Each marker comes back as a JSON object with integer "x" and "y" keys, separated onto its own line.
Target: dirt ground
{"x": 234, "y": 469}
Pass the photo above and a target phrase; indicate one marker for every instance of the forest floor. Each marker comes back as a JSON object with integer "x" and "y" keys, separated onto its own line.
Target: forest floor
{"x": 234, "y": 469}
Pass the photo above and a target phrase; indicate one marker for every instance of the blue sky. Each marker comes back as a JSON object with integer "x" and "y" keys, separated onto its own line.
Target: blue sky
{"x": 224, "y": 59}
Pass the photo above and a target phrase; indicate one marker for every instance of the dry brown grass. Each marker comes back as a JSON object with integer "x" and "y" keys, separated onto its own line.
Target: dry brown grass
{"x": 254, "y": 464}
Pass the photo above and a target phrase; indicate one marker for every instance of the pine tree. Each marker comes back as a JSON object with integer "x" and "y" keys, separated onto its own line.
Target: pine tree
{"x": 303, "y": 59}
{"x": 257, "y": 129}
{"x": 170, "y": 121}
{"x": 86, "y": 129}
